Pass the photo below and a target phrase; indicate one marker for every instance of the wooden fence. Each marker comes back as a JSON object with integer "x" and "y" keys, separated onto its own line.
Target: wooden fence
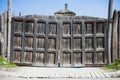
{"x": 71, "y": 43}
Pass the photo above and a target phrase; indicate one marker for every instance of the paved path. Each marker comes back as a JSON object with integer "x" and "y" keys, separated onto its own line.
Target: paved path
{"x": 35, "y": 73}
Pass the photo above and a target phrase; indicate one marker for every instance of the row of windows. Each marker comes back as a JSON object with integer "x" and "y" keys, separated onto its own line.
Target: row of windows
{"x": 52, "y": 28}
{"x": 66, "y": 42}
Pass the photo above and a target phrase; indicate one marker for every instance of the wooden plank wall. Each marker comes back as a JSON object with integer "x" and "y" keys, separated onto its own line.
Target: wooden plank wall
{"x": 72, "y": 43}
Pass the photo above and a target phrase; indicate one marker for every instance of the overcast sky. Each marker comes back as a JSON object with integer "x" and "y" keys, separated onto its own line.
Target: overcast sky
{"x": 96, "y": 8}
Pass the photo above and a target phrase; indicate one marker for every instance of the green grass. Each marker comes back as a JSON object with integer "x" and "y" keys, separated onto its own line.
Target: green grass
{"x": 115, "y": 65}
{"x": 5, "y": 63}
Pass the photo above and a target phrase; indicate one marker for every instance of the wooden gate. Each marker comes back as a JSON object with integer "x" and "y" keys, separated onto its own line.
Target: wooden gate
{"x": 47, "y": 43}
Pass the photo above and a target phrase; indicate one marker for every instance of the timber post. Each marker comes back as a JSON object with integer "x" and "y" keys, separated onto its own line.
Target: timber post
{"x": 109, "y": 29}
{"x": 9, "y": 28}
{"x": 115, "y": 36}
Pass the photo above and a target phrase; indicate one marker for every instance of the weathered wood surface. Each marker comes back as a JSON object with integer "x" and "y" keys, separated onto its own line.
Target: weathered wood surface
{"x": 119, "y": 34}
{"x": 115, "y": 36}
{"x": 80, "y": 42}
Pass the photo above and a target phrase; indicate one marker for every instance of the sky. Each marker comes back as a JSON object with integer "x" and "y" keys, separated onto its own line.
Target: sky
{"x": 95, "y": 8}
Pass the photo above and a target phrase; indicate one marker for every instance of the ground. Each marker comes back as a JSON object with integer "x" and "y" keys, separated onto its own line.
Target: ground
{"x": 42, "y": 73}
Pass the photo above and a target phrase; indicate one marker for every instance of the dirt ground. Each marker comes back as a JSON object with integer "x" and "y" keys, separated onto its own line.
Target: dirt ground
{"x": 37, "y": 73}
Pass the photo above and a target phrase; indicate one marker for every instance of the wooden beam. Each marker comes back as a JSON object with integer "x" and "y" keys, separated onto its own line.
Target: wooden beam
{"x": 9, "y": 28}
{"x": 23, "y": 41}
{"x": 109, "y": 29}
{"x": 34, "y": 41}
{"x": 115, "y": 36}
{"x": 83, "y": 43}
{"x": 94, "y": 43}
{"x": 105, "y": 45}
{"x": 72, "y": 54}
{"x": 118, "y": 34}
{"x": 46, "y": 43}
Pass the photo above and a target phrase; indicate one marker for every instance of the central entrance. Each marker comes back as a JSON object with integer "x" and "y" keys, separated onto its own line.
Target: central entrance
{"x": 70, "y": 44}
{"x": 59, "y": 44}
{"x": 62, "y": 43}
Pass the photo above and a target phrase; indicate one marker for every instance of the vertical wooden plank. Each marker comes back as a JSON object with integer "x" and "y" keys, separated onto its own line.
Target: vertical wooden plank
{"x": 114, "y": 36}
{"x": 34, "y": 41}
{"x": 89, "y": 57}
{"x": 23, "y": 41}
{"x": 9, "y": 28}
{"x": 11, "y": 46}
{"x": 16, "y": 56}
{"x": 58, "y": 53}
{"x": 46, "y": 43}
{"x": 72, "y": 43}
{"x": 28, "y": 56}
{"x": 4, "y": 26}
{"x": 100, "y": 57}
{"x": 94, "y": 43}
{"x": 110, "y": 7}
{"x": 61, "y": 46}
{"x": 119, "y": 34}
{"x": 72, "y": 48}
{"x": 83, "y": 42}
{"x": 39, "y": 59}
{"x": 1, "y": 30}
{"x": 105, "y": 41}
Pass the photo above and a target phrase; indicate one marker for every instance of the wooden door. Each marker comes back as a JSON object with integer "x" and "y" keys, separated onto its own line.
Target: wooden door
{"x": 49, "y": 43}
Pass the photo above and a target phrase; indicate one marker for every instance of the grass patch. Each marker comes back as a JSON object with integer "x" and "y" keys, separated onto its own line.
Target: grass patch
{"x": 6, "y": 63}
{"x": 115, "y": 65}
